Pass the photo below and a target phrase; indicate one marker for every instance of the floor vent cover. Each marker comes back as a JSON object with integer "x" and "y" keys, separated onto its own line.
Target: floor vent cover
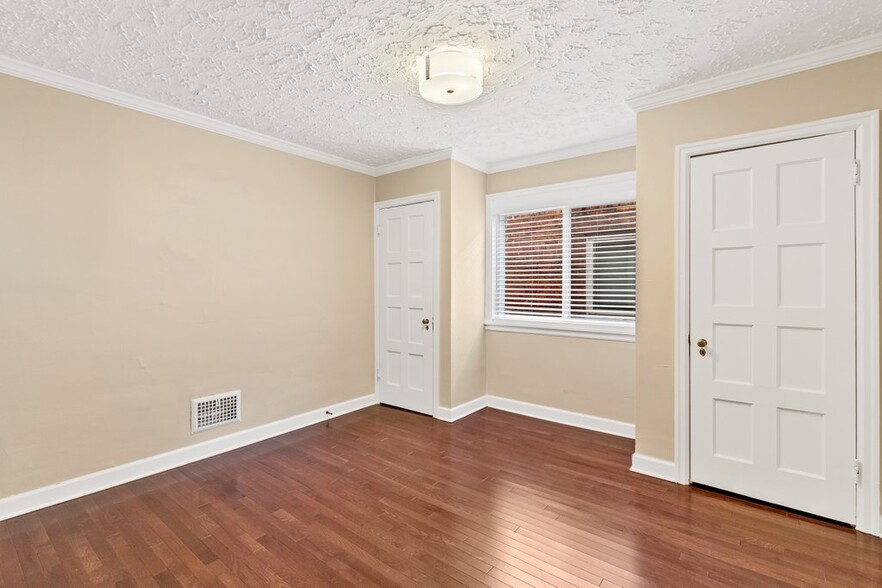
{"x": 213, "y": 411}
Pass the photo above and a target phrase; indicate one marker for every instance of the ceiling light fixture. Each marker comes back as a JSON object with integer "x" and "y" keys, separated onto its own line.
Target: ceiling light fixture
{"x": 451, "y": 76}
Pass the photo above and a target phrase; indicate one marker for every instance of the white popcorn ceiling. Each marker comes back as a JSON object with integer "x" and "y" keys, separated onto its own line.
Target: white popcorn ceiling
{"x": 340, "y": 75}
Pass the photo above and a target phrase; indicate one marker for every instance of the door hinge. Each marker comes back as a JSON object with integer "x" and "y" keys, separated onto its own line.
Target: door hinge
{"x": 857, "y": 172}
{"x": 857, "y": 472}
{"x": 378, "y": 374}
{"x": 378, "y": 229}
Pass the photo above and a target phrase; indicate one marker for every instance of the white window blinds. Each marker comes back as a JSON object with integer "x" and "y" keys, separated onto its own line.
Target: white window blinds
{"x": 570, "y": 263}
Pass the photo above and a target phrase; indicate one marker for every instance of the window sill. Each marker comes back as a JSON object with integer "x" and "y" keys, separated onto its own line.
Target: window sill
{"x": 605, "y": 333}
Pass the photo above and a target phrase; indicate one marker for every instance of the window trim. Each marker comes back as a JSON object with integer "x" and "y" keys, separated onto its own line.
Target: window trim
{"x": 589, "y": 192}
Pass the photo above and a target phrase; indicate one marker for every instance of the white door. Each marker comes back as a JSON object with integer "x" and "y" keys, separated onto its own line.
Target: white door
{"x": 406, "y": 287}
{"x": 773, "y": 309}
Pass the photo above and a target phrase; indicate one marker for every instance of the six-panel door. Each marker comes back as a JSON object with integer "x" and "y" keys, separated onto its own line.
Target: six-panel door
{"x": 773, "y": 294}
{"x": 406, "y": 262}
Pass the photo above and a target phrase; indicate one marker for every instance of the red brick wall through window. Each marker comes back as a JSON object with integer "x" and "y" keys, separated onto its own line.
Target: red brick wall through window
{"x": 601, "y": 264}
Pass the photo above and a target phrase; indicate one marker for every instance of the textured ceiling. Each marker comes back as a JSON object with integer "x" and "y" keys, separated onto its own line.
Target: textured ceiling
{"x": 340, "y": 75}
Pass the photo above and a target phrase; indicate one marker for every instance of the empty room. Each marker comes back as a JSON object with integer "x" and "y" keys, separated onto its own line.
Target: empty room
{"x": 480, "y": 293}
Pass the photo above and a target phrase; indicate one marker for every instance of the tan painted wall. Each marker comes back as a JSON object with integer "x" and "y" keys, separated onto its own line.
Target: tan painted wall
{"x": 565, "y": 170}
{"x": 582, "y": 375}
{"x": 432, "y": 177}
{"x": 144, "y": 262}
{"x": 467, "y": 227}
{"x": 843, "y": 88}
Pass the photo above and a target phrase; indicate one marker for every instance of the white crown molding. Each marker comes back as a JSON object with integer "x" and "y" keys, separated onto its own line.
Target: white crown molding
{"x": 40, "y": 75}
{"x": 813, "y": 59}
{"x": 768, "y": 71}
{"x": 13, "y": 506}
{"x": 466, "y": 159}
{"x": 451, "y": 153}
{"x": 493, "y": 167}
{"x": 580, "y": 150}
{"x": 412, "y": 162}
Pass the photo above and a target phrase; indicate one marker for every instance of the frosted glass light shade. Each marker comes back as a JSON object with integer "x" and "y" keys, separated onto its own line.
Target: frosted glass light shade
{"x": 451, "y": 76}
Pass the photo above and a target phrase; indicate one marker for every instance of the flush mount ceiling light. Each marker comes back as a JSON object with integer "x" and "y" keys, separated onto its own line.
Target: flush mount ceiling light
{"x": 451, "y": 76}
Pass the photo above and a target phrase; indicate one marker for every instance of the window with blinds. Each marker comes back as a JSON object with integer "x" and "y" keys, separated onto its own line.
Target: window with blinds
{"x": 570, "y": 267}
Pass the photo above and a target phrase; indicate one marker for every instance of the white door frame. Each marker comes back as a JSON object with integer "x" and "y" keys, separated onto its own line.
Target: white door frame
{"x": 434, "y": 198}
{"x": 866, "y": 128}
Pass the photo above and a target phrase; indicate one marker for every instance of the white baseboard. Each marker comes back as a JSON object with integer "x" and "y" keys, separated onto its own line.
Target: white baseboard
{"x": 564, "y": 417}
{"x": 457, "y": 412}
{"x": 19, "y": 504}
{"x": 546, "y": 413}
{"x": 655, "y": 467}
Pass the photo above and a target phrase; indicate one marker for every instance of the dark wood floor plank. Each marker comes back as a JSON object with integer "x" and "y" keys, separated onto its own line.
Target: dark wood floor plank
{"x": 444, "y": 547}
{"x": 450, "y": 513}
{"x": 237, "y": 547}
{"x": 383, "y": 497}
{"x": 402, "y": 553}
{"x": 11, "y": 573}
{"x": 26, "y": 552}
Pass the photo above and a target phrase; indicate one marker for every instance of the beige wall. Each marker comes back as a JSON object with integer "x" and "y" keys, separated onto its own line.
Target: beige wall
{"x": 589, "y": 376}
{"x": 467, "y": 190}
{"x": 844, "y": 88}
{"x": 432, "y": 177}
{"x": 565, "y": 170}
{"x": 144, "y": 262}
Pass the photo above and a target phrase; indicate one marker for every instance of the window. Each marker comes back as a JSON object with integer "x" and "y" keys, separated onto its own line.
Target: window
{"x": 562, "y": 259}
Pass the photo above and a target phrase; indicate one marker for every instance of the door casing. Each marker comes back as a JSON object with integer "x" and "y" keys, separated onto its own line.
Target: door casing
{"x": 866, "y": 128}
{"x": 434, "y": 198}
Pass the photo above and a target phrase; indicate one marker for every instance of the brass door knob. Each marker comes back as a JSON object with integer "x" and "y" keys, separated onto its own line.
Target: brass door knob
{"x": 702, "y": 343}
{"x": 425, "y": 321}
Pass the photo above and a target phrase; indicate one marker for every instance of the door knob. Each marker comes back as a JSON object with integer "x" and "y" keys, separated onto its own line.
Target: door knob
{"x": 702, "y": 343}
{"x": 425, "y": 321}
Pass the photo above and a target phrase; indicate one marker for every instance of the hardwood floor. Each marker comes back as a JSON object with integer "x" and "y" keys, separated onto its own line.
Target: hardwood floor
{"x": 383, "y": 497}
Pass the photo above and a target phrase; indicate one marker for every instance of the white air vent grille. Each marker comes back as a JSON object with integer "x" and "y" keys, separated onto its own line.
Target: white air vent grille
{"x": 212, "y": 411}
